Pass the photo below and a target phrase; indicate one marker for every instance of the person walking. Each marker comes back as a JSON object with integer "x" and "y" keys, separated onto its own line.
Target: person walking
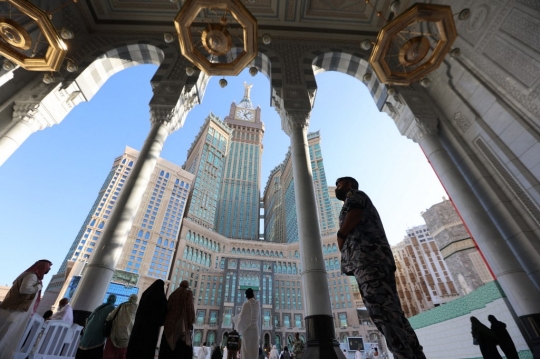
{"x": 203, "y": 352}
{"x": 485, "y": 338}
{"x": 20, "y": 303}
{"x": 248, "y": 322}
{"x": 285, "y": 353}
{"x": 92, "y": 341}
{"x": 274, "y": 354}
{"x": 297, "y": 347}
{"x": 216, "y": 354}
{"x": 366, "y": 255}
{"x": 64, "y": 312}
{"x": 176, "y": 339}
{"x": 123, "y": 318}
{"x": 149, "y": 318}
{"x": 503, "y": 338}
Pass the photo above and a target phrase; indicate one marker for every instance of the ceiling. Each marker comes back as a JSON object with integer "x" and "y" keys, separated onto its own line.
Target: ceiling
{"x": 313, "y": 18}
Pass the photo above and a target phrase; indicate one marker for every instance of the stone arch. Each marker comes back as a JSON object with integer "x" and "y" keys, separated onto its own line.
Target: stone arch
{"x": 348, "y": 62}
{"x": 103, "y": 64}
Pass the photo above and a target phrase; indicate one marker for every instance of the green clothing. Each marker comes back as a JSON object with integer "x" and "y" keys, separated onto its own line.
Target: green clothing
{"x": 93, "y": 331}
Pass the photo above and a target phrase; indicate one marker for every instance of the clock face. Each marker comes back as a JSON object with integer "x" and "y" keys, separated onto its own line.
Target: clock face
{"x": 245, "y": 114}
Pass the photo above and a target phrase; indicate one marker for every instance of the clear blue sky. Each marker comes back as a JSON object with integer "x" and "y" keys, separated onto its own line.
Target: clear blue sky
{"x": 49, "y": 184}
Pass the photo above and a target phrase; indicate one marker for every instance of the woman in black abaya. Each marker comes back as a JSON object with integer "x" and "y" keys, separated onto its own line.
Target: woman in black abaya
{"x": 149, "y": 318}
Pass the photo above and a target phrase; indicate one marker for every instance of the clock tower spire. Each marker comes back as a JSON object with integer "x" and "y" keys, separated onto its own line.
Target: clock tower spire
{"x": 246, "y": 101}
{"x": 238, "y": 210}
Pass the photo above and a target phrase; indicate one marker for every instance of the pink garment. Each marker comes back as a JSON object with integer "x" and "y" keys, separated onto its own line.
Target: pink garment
{"x": 112, "y": 352}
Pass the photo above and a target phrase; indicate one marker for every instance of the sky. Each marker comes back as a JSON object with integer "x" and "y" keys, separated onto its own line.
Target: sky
{"x": 50, "y": 183}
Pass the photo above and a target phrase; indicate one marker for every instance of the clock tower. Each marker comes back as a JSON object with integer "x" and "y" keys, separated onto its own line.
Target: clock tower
{"x": 238, "y": 213}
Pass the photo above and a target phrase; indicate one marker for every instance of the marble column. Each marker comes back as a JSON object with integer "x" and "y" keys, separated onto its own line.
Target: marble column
{"x": 99, "y": 271}
{"x": 321, "y": 338}
{"x": 15, "y": 136}
{"x": 517, "y": 285}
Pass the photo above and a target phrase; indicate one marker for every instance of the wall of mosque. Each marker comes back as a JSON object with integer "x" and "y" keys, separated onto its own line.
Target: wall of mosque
{"x": 445, "y": 331}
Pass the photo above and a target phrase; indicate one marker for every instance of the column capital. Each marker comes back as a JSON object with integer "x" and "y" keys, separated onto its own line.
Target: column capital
{"x": 40, "y": 113}
{"x": 420, "y": 118}
{"x": 173, "y": 113}
{"x": 422, "y": 127}
{"x": 293, "y": 103}
{"x": 292, "y": 120}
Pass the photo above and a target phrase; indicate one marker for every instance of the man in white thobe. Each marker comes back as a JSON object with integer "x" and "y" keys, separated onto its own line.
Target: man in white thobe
{"x": 64, "y": 312}
{"x": 248, "y": 323}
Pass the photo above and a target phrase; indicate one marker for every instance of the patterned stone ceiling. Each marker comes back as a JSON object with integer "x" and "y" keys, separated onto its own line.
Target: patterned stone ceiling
{"x": 327, "y": 18}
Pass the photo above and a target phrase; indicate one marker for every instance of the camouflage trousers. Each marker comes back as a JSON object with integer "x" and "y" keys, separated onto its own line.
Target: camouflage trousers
{"x": 378, "y": 289}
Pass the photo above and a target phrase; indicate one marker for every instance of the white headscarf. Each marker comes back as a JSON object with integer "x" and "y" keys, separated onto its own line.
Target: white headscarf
{"x": 124, "y": 322}
{"x": 274, "y": 354}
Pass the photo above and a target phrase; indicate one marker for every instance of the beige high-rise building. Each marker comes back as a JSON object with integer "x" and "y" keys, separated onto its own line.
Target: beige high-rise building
{"x": 151, "y": 242}
{"x": 458, "y": 249}
{"x": 422, "y": 277}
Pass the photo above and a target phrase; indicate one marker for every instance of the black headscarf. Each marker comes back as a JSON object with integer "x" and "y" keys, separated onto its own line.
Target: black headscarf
{"x": 481, "y": 332}
{"x": 149, "y": 318}
{"x": 217, "y": 353}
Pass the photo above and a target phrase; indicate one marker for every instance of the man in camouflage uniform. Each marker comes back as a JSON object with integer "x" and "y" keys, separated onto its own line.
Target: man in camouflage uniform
{"x": 366, "y": 254}
{"x": 297, "y": 347}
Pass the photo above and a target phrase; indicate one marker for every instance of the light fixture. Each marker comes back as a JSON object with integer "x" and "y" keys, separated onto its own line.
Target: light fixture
{"x": 425, "y": 82}
{"x": 394, "y": 6}
{"x": 8, "y": 65}
{"x": 365, "y": 45}
{"x": 367, "y": 77}
{"x": 223, "y": 83}
{"x": 413, "y": 44}
{"x": 168, "y": 37}
{"x": 455, "y": 52}
{"x": 47, "y": 53}
{"x": 71, "y": 66}
{"x": 66, "y": 34}
{"x": 391, "y": 91}
{"x": 212, "y": 53}
{"x": 190, "y": 71}
{"x": 266, "y": 39}
{"x": 253, "y": 71}
{"x": 464, "y": 14}
{"x": 48, "y": 79}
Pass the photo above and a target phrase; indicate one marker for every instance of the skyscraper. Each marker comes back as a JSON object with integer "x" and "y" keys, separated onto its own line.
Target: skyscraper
{"x": 327, "y": 220}
{"x": 151, "y": 241}
{"x": 238, "y": 215}
{"x": 458, "y": 249}
{"x": 206, "y": 160}
{"x": 422, "y": 276}
{"x": 280, "y": 202}
{"x": 336, "y": 205}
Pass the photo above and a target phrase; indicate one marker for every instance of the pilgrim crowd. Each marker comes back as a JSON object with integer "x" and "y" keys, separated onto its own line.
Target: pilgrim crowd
{"x": 131, "y": 330}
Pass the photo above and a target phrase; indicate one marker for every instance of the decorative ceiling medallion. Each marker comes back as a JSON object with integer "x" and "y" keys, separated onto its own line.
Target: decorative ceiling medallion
{"x": 15, "y": 40}
{"x": 14, "y": 34}
{"x": 413, "y": 44}
{"x": 216, "y": 38}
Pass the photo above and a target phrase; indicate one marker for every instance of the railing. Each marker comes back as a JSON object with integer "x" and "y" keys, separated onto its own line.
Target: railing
{"x": 55, "y": 339}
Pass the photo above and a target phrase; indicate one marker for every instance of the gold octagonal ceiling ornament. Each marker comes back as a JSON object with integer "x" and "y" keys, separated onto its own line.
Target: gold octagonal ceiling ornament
{"x": 413, "y": 44}
{"x": 15, "y": 40}
{"x": 215, "y": 39}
